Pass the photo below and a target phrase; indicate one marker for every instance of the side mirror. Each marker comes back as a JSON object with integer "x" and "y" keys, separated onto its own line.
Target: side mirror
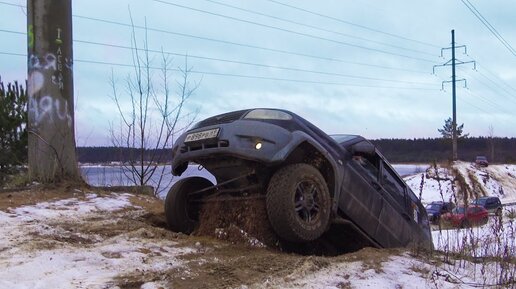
{"x": 363, "y": 147}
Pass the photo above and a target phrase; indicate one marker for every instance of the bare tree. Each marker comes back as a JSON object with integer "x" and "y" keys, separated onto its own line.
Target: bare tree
{"x": 154, "y": 116}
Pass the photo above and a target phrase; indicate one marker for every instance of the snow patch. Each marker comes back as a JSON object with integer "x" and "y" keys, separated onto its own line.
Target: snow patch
{"x": 33, "y": 255}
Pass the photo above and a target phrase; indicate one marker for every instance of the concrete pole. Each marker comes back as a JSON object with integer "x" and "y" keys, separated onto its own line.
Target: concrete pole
{"x": 50, "y": 91}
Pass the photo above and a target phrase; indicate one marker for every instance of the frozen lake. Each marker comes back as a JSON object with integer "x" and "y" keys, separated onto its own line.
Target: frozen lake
{"x": 98, "y": 175}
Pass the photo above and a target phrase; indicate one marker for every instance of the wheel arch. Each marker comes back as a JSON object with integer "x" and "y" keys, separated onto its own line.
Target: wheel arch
{"x": 310, "y": 153}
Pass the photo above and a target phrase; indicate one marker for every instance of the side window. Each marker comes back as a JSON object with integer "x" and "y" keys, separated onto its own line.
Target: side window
{"x": 371, "y": 169}
{"x": 393, "y": 185}
{"x": 370, "y": 163}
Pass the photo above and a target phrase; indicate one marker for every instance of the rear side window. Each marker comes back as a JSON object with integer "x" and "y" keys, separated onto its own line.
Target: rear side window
{"x": 392, "y": 184}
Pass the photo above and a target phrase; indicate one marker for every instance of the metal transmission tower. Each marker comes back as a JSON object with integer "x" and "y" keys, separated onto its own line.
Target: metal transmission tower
{"x": 453, "y": 62}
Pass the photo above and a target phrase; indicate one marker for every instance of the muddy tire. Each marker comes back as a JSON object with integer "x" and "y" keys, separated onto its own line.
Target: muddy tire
{"x": 182, "y": 216}
{"x": 298, "y": 203}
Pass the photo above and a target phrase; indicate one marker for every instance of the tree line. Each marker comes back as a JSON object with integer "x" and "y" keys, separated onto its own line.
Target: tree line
{"x": 440, "y": 149}
{"x": 396, "y": 150}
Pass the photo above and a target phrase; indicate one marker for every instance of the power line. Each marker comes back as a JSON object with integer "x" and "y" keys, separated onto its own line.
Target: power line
{"x": 489, "y": 86}
{"x": 259, "y": 64}
{"x": 353, "y": 24}
{"x": 317, "y": 27}
{"x": 472, "y": 105}
{"x": 489, "y": 26}
{"x": 251, "y": 46}
{"x": 241, "y": 62}
{"x": 293, "y": 32}
{"x": 12, "y": 4}
{"x": 491, "y": 103}
{"x": 496, "y": 76}
{"x": 242, "y": 75}
{"x": 287, "y": 52}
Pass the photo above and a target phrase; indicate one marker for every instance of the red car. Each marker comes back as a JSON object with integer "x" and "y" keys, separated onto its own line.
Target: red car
{"x": 463, "y": 217}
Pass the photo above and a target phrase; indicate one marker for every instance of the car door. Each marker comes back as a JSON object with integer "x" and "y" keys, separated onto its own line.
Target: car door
{"x": 361, "y": 199}
{"x": 397, "y": 212}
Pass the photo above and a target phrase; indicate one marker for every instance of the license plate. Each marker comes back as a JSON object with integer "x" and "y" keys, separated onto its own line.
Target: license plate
{"x": 206, "y": 134}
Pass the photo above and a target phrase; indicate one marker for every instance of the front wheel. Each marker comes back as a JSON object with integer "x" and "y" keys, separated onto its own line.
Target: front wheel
{"x": 298, "y": 203}
{"x": 182, "y": 214}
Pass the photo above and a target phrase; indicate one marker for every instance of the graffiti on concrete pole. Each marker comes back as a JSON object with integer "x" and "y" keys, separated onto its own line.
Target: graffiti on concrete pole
{"x": 50, "y": 90}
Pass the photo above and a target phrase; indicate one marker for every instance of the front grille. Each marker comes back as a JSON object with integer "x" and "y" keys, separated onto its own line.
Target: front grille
{"x": 222, "y": 118}
{"x": 202, "y": 146}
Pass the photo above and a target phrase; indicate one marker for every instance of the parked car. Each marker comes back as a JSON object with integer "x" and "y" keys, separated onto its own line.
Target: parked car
{"x": 436, "y": 209}
{"x": 308, "y": 179}
{"x": 491, "y": 204}
{"x": 481, "y": 161}
{"x": 464, "y": 217}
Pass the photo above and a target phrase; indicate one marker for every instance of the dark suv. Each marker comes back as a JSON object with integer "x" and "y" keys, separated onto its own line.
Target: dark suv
{"x": 491, "y": 204}
{"x": 481, "y": 161}
{"x": 308, "y": 179}
{"x": 438, "y": 208}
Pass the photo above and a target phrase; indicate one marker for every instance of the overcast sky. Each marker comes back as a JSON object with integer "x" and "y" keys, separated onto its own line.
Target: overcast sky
{"x": 359, "y": 67}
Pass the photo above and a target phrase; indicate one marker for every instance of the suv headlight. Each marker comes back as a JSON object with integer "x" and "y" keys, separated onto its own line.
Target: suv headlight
{"x": 267, "y": 114}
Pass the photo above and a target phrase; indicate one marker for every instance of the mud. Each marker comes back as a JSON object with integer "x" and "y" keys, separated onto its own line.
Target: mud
{"x": 238, "y": 222}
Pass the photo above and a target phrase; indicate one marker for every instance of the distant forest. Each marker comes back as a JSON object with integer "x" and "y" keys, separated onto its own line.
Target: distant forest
{"x": 440, "y": 149}
{"x": 396, "y": 151}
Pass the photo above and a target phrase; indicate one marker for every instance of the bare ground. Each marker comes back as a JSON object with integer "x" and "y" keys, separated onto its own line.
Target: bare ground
{"x": 244, "y": 252}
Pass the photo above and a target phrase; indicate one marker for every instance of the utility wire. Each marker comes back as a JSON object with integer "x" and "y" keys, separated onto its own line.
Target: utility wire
{"x": 464, "y": 99}
{"x": 287, "y": 52}
{"x": 12, "y": 4}
{"x": 489, "y": 26}
{"x": 489, "y": 103}
{"x": 251, "y": 46}
{"x": 353, "y": 24}
{"x": 486, "y": 100}
{"x": 241, "y": 75}
{"x": 241, "y": 62}
{"x": 496, "y": 76}
{"x": 511, "y": 94}
{"x": 258, "y": 64}
{"x": 491, "y": 88}
{"x": 293, "y": 32}
{"x": 316, "y": 27}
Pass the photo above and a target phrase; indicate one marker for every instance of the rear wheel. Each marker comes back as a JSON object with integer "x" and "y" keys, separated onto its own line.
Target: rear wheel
{"x": 498, "y": 212}
{"x": 465, "y": 224}
{"x": 182, "y": 214}
{"x": 298, "y": 203}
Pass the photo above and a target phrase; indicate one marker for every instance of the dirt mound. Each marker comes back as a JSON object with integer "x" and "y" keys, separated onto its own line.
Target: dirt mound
{"x": 237, "y": 221}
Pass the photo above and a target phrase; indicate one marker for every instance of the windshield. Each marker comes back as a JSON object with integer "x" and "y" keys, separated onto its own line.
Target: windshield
{"x": 480, "y": 202}
{"x": 459, "y": 210}
{"x": 433, "y": 207}
{"x": 340, "y": 138}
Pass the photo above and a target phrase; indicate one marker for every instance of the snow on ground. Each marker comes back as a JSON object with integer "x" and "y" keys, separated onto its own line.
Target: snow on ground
{"x": 396, "y": 270}
{"x": 495, "y": 238}
{"x": 37, "y": 250}
{"x": 494, "y": 180}
{"x": 49, "y": 245}
{"x": 58, "y": 244}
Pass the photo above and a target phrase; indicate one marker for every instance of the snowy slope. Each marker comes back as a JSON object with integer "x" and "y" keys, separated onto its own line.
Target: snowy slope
{"x": 438, "y": 185}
